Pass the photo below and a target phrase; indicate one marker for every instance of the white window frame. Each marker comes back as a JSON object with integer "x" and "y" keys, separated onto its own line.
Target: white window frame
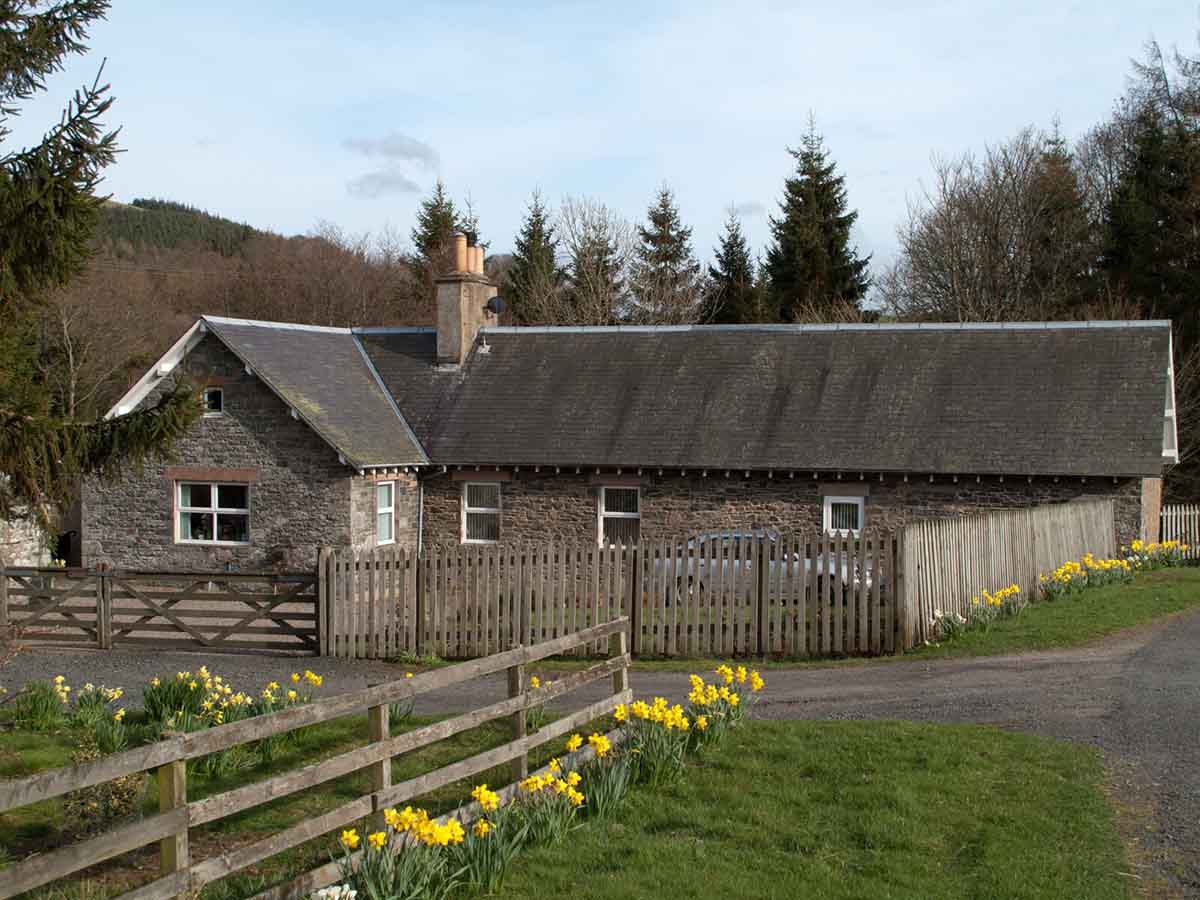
{"x": 603, "y": 513}
{"x": 212, "y": 414}
{"x": 390, "y": 512}
{"x": 827, "y": 514}
{"x": 213, "y": 510}
{"x": 464, "y": 509}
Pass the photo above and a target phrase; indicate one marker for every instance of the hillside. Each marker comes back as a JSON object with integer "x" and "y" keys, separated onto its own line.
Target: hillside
{"x": 128, "y": 228}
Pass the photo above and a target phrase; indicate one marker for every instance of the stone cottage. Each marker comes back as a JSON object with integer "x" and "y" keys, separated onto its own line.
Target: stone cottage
{"x": 470, "y": 432}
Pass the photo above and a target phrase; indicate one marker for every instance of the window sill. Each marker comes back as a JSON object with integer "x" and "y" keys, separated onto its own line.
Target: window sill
{"x": 186, "y": 543}
{"x": 485, "y": 543}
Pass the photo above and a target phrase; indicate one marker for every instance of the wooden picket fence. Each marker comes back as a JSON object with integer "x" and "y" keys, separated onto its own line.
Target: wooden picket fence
{"x": 947, "y": 562}
{"x": 182, "y": 876}
{"x": 704, "y": 595}
{"x": 1181, "y": 522}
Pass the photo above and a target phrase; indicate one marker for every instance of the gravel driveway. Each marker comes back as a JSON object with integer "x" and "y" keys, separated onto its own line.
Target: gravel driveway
{"x": 1135, "y": 695}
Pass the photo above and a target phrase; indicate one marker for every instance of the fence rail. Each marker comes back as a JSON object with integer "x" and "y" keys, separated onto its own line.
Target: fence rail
{"x": 947, "y": 562}
{"x": 180, "y": 876}
{"x": 1181, "y": 522}
{"x": 218, "y": 612}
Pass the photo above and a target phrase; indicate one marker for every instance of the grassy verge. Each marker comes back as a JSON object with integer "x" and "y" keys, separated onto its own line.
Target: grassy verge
{"x": 850, "y": 810}
{"x": 1067, "y": 622}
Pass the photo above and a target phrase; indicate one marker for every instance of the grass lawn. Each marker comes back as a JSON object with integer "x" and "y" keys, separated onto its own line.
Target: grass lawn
{"x": 852, "y": 810}
{"x": 1074, "y": 620}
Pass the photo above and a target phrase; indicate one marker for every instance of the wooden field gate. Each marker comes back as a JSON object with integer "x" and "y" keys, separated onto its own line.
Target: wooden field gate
{"x": 227, "y": 613}
{"x": 745, "y": 595}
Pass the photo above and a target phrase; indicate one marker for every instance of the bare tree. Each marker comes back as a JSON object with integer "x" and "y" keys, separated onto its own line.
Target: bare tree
{"x": 1004, "y": 237}
{"x": 598, "y": 248}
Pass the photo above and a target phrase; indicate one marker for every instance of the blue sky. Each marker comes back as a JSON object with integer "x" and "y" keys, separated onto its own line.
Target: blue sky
{"x": 282, "y": 114}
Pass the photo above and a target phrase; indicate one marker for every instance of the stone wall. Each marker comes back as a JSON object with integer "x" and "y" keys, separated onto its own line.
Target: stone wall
{"x": 300, "y": 495}
{"x": 22, "y": 543}
{"x": 405, "y": 497}
{"x": 542, "y": 507}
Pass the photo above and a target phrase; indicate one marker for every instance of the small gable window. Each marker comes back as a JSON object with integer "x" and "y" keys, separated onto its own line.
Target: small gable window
{"x": 385, "y": 512}
{"x": 843, "y": 515}
{"x": 620, "y": 515}
{"x": 481, "y": 512}
{"x": 214, "y": 401}
{"x": 212, "y": 513}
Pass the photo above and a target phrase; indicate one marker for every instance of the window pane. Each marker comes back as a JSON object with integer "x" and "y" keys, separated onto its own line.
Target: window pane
{"x": 483, "y": 496}
{"x": 195, "y": 495}
{"x": 383, "y": 497}
{"x": 483, "y": 526}
{"x": 195, "y": 527}
{"x": 623, "y": 500}
{"x": 383, "y": 527}
{"x": 233, "y": 527}
{"x": 233, "y": 496}
{"x": 843, "y": 516}
{"x": 214, "y": 400}
{"x": 622, "y": 531}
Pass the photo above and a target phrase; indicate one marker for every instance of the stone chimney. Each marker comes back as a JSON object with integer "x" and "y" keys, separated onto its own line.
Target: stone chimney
{"x": 462, "y": 298}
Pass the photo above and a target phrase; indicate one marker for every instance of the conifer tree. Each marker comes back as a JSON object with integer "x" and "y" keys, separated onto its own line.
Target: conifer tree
{"x": 432, "y": 236}
{"x": 48, "y": 212}
{"x": 810, "y": 263}
{"x": 733, "y": 295}
{"x": 534, "y": 277}
{"x": 667, "y": 280}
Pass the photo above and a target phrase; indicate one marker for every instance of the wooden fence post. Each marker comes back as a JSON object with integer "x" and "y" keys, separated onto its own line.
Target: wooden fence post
{"x": 516, "y": 687}
{"x": 617, "y": 645}
{"x": 323, "y": 601}
{"x": 3, "y": 598}
{"x": 104, "y": 611}
{"x": 379, "y": 773}
{"x": 635, "y": 590}
{"x": 172, "y": 794}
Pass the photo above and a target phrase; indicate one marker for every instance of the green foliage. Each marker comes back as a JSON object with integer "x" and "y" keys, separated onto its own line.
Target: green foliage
{"x": 811, "y": 264}
{"x": 734, "y": 296}
{"x": 48, "y": 213}
{"x": 163, "y": 223}
{"x": 667, "y": 280}
{"x": 534, "y": 276}
{"x": 95, "y": 808}
{"x": 40, "y": 707}
{"x": 400, "y": 870}
{"x": 487, "y": 850}
{"x": 607, "y": 781}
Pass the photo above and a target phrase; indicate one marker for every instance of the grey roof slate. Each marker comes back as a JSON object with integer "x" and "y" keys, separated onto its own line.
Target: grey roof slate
{"x": 1019, "y": 399}
{"x": 323, "y": 375}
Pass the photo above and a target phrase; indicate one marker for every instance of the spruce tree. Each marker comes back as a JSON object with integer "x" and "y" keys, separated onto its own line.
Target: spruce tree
{"x": 733, "y": 295}
{"x": 437, "y": 220}
{"x": 810, "y": 264}
{"x": 667, "y": 280}
{"x": 534, "y": 277}
{"x": 48, "y": 213}
{"x": 1062, "y": 246}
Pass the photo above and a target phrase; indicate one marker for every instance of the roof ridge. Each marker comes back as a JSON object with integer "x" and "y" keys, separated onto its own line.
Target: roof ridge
{"x": 798, "y": 328}
{"x": 282, "y": 326}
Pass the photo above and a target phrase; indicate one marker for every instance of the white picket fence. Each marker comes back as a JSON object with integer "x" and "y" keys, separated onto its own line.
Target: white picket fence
{"x": 1181, "y": 522}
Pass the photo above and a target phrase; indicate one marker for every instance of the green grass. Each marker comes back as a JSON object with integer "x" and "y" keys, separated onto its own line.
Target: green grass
{"x": 852, "y": 810}
{"x": 1070, "y": 621}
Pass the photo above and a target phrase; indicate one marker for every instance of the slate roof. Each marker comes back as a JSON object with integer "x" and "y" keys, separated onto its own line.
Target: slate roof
{"x": 1082, "y": 399}
{"x": 323, "y": 374}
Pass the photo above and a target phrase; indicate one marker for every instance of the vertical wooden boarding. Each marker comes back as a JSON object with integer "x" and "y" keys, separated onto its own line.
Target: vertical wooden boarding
{"x": 660, "y": 600}
{"x": 756, "y": 591}
{"x": 876, "y": 613}
{"x": 737, "y": 564}
{"x": 701, "y": 608}
{"x": 3, "y": 599}
{"x": 562, "y": 593}
{"x": 371, "y": 649}
{"x": 781, "y": 616}
{"x": 573, "y": 592}
{"x": 825, "y": 596}
{"x": 807, "y": 637}
{"x": 863, "y": 592}
{"x": 354, "y": 596}
{"x": 839, "y": 598}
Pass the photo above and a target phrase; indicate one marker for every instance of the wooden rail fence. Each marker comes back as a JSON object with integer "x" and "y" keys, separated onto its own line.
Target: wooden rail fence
{"x": 1181, "y": 522}
{"x": 217, "y": 612}
{"x": 180, "y": 875}
{"x": 947, "y": 562}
